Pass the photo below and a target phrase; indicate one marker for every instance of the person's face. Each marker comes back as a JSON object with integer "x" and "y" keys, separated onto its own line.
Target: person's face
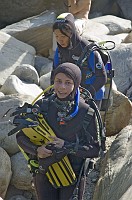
{"x": 62, "y": 39}
{"x": 63, "y": 85}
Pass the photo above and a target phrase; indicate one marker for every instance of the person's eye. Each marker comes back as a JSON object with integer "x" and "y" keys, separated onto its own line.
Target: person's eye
{"x": 68, "y": 83}
{"x": 58, "y": 81}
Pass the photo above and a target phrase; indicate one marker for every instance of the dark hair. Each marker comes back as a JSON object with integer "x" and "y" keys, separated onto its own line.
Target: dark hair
{"x": 65, "y": 22}
{"x": 64, "y": 27}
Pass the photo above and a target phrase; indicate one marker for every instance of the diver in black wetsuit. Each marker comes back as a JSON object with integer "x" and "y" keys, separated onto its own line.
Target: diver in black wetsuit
{"x": 65, "y": 112}
{"x": 70, "y": 47}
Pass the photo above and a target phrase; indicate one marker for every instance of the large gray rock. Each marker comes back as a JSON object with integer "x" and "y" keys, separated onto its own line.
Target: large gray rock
{"x": 118, "y": 116}
{"x": 8, "y": 143}
{"x": 15, "y": 194}
{"x": 35, "y": 31}
{"x": 43, "y": 65}
{"x": 13, "y": 53}
{"x": 116, "y": 174}
{"x": 126, "y": 8}
{"x": 122, "y": 63}
{"x": 128, "y": 38}
{"x": 118, "y": 8}
{"x": 10, "y": 103}
{"x": 40, "y": 62}
{"x": 101, "y": 7}
{"x": 21, "y": 177}
{"x": 94, "y": 28}
{"x": 13, "y": 11}
{"x": 5, "y": 172}
{"x": 46, "y": 68}
{"x": 27, "y": 73}
{"x": 45, "y": 80}
{"x": 115, "y": 24}
{"x": 14, "y": 85}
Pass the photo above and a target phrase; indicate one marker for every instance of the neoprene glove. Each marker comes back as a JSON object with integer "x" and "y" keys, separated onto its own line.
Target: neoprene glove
{"x": 58, "y": 154}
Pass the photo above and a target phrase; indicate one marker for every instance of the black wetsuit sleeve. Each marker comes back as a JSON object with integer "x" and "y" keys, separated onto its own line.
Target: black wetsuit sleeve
{"x": 100, "y": 74}
{"x": 24, "y": 142}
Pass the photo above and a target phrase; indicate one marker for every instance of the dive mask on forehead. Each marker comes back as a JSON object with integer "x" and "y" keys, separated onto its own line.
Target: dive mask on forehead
{"x": 65, "y": 23}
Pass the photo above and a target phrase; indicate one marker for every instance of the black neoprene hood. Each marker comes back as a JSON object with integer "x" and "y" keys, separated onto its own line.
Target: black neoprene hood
{"x": 65, "y": 23}
{"x": 71, "y": 70}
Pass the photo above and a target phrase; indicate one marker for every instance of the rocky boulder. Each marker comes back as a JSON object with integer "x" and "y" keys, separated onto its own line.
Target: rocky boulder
{"x": 13, "y": 53}
{"x": 14, "y": 85}
{"x": 115, "y": 24}
{"x": 118, "y": 116}
{"x": 116, "y": 177}
{"x": 20, "y": 180}
{"x": 5, "y": 172}
{"x": 27, "y": 73}
{"x": 18, "y": 10}
{"x": 35, "y": 31}
{"x": 8, "y": 104}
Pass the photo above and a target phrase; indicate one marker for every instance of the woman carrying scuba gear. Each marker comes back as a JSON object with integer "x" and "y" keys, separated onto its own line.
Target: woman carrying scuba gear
{"x": 64, "y": 112}
{"x": 70, "y": 47}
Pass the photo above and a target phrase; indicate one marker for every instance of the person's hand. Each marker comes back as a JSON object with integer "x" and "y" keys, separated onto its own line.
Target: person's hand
{"x": 42, "y": 152}
{"x": 59, "y": 143}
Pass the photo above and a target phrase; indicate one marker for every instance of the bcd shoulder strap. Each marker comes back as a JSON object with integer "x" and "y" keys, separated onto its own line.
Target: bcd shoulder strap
{"x": 88, "y": 117}
{"x": 85, "y": 54}
{"x": 86, "y": 122}
{"x": 100, "y": 128}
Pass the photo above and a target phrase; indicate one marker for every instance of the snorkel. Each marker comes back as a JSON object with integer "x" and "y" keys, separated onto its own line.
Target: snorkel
{"x": 76, "y": 103}
{"x": 77, "y": 97}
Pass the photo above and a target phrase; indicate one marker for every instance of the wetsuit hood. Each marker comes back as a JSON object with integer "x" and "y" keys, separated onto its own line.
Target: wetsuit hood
{"x": 74, "y": 72}
{"x": 65, "y": 22}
